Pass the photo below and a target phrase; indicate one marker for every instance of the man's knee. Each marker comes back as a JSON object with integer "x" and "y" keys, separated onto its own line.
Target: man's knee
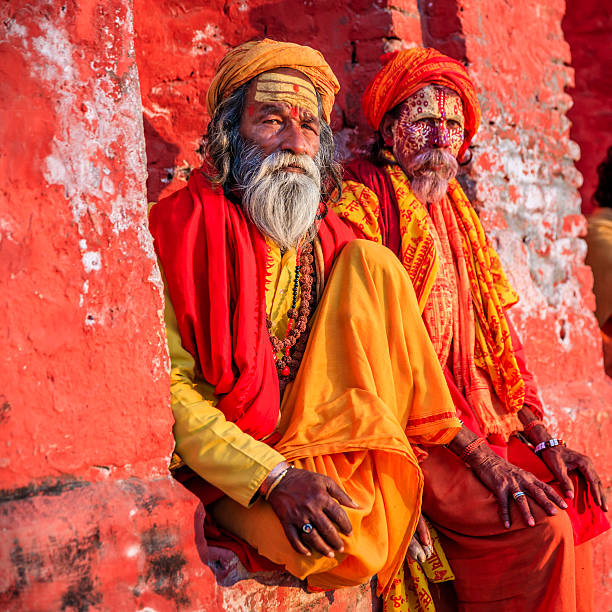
{"x": 554, "y": 530}
{"x": 377, "y": 261}
{"x": 370, "y": 253}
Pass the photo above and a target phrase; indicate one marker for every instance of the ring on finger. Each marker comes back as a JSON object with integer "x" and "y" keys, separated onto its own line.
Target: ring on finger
{"x": 518, "y": 494}
{"x": 306, "y": 528}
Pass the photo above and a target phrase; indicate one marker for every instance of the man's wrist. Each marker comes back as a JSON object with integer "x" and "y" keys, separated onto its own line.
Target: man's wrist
{"x": 550, "y": 443}
{"x": 269, "y": 480}
{"x": 537, "y": 433}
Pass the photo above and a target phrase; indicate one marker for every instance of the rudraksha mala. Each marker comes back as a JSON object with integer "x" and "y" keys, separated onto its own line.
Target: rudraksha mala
{"x": 294, "y": 343}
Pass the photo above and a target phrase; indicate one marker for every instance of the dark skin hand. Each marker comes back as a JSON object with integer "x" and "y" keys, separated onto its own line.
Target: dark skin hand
{"x": 504, "y": 479}
{"x": 560, "y": 460}
{"x": 421, "y": 547}
{"x": 306, "y": 497}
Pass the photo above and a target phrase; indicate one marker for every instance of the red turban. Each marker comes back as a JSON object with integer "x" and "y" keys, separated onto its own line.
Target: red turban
{"x": 405, "y": 72}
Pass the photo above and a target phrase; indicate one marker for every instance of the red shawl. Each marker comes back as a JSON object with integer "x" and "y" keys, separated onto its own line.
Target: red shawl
{"x": 214, "y": 261}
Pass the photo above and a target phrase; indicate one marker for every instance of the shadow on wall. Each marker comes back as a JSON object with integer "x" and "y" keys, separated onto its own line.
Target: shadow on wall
{"x": 161, "y": 156}
{"x": 587, "y": 26}
{"x": 441, "y": 27}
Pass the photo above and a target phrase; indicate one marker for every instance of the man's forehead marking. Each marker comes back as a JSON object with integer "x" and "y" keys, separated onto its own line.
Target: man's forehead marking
{"x": 437, "y": 100}
{"x": 441, "y": 100}
{"x": 297, "y": 92}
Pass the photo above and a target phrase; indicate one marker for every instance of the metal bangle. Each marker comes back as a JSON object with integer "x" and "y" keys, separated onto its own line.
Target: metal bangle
{"x": 277, "y": 481}
{"x": 272, "y": 476}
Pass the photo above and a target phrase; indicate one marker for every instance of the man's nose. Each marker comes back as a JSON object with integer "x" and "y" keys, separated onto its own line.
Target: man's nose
{"x": 294, "y": 140}
{"x": 441, "y": 137}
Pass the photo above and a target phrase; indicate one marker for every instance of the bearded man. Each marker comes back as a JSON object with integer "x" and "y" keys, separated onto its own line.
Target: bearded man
{"x": 424, "y": 108}
{"x": 301, "y": 369}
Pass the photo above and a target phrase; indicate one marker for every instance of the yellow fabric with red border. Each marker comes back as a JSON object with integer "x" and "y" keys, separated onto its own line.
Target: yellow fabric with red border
{"x": 491, "y": 292}
{"x": 409, "y": 591}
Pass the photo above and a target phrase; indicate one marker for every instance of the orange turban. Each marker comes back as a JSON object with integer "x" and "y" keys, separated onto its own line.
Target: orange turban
{"x": 405, "y": 72}
{"x": 246, "y": 61}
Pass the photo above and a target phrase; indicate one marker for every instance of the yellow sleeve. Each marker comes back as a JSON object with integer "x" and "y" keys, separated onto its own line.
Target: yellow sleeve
{"x": 217, "y": 449}
{"x": 359, "y": 206}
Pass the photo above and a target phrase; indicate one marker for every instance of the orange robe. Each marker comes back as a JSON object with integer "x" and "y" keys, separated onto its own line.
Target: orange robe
{"x": 369, "y": 386}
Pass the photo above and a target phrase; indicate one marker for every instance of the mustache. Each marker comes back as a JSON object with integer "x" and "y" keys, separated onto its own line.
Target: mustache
{"x": 250, "y": 164}
{"x": 430, "y": 172}
{"x": 281, "y": 202}
{"x": 281, "y": 161}
{"x": 433, "y": 161}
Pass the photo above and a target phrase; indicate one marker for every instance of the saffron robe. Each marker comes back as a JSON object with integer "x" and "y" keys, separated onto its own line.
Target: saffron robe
{"x": 361, "y": 396}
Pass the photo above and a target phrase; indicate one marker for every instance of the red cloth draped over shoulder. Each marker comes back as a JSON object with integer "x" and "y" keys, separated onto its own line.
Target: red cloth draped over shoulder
{"x": 214, "y": 262}
{"x": 375, "y": 179}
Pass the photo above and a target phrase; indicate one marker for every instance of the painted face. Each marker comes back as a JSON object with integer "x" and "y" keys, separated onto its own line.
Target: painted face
{"x": 281, "y": 113}
{"x": 430, "y": 118}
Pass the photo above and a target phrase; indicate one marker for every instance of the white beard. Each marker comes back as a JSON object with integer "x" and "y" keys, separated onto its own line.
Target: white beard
{"x": 430, "y": 171}
{"x": 282, "y": 203}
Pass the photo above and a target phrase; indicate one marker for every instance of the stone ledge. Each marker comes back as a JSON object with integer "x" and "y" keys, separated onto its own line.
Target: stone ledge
{"x": 242, "y": 590}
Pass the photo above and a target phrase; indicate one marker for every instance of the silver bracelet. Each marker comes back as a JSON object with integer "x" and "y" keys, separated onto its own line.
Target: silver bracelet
{"x": 272, "y": 476}
{"x": 548, "y": 444}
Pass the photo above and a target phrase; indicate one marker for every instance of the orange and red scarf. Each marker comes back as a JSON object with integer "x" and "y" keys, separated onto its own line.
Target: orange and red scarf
{"x": 483, "y": 289}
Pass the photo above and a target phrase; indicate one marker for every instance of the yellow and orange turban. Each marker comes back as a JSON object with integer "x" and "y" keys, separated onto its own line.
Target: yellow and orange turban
{"x": 405, "y": 72}
{"x": 250, "y": 59}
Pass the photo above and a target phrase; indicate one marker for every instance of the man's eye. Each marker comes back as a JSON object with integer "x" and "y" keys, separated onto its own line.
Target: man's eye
{"x": 309, "y": 126}
{"x": 272, "y": 121}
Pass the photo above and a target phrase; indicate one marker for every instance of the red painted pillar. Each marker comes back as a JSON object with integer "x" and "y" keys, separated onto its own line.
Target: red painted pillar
{"x": 89, "y": 517}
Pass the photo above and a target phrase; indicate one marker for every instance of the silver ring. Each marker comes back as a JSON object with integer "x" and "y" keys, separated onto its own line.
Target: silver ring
{"x": 518, "y": 494}
{"x": 306, "y": 527}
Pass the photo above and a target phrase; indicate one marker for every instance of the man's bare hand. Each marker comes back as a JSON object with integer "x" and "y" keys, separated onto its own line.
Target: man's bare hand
{"x": 560, "y": 460}
{"x": 304, "y": 497}
{"x": 505, "y": 480}
{"x": 420, "y": 548}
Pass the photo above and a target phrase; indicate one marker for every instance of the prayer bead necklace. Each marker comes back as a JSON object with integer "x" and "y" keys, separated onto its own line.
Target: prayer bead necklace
{"x": 297, "y": 325}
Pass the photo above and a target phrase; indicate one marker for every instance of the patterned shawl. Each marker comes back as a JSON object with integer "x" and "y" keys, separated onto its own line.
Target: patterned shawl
{"x": 479, "y": 272}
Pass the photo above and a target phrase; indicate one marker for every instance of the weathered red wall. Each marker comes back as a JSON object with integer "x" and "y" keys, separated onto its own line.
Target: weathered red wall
{"x": 88, "y": 511}
{"x": 90, "y": 518}
{"x": 588, "y": 30}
